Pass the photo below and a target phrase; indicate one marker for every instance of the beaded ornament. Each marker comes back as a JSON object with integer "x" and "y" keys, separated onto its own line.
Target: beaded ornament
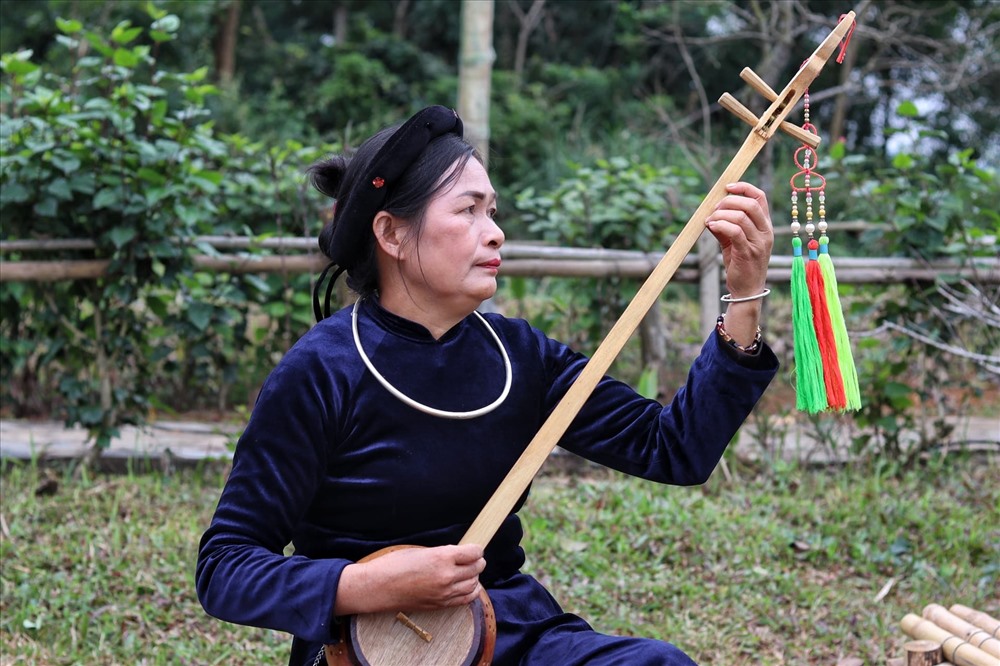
{"x": 826, "y": 377}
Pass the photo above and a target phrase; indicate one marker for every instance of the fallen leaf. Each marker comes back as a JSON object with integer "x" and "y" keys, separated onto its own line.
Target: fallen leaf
{"x": 885, "y": 590}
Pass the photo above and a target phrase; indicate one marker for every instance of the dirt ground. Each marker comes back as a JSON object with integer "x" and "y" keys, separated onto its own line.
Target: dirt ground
{"x": 199, "y": 437}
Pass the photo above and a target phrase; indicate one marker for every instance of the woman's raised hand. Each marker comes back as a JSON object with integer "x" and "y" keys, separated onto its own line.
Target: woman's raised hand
{"x": 742, "y": 225}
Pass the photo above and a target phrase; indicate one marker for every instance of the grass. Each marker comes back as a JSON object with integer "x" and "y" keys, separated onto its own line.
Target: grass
{"x": 100, "y": 570}
{"x": 774, "y": 568}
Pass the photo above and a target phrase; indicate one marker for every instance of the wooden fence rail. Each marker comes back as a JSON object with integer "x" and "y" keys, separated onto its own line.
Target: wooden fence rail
{"x": 235, "y": 255}
{"x": 298, "y": 255}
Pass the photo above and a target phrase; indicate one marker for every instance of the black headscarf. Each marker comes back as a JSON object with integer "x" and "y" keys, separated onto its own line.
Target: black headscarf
{"x": 344, "y": 240}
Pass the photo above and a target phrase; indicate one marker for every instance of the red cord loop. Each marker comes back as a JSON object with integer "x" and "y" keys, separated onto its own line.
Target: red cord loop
{"x": 813, "y": 185}
{"x": 847, "y": 40}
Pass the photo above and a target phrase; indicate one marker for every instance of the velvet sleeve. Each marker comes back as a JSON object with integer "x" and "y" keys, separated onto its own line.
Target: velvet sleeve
{"x": 678, "y": 443}
{"x": 242, "y": 574}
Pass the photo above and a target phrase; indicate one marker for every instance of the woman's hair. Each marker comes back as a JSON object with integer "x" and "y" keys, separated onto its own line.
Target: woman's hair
{"x": 408, "y": 198}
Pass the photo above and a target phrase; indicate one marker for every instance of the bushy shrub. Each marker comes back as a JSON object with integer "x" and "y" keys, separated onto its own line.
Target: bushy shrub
{"x": 109, "y": 147}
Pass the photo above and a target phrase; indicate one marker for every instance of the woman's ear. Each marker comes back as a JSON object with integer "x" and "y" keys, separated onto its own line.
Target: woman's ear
{"x": 390, "y": 234}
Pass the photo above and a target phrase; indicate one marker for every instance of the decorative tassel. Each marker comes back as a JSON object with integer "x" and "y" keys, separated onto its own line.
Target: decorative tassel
{"x": 824, "y": 331}
{"x": 845, "y": 359}
{"x": 810, "y": 391}
{"x": 825, "y": 374}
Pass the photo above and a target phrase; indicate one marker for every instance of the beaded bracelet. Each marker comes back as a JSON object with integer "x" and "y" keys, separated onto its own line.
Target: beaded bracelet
{"x": 752, "y": 348}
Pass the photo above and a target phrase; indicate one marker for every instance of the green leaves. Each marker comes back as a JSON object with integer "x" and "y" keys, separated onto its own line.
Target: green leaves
{"x": 125, "y": 58}
{"x": 924, "y": 205}
{"x": 18, "y": 64}
{"x": 113, "y": 149}
{"x": 68, "y": 26}
{"x": 612, "y": 204}
{"x": 838, "y": 150}
{"x": 108, "y": 197}
{"x": 65, "y": 161}
{"x": 902, "y": 161}
{"x": 124, "y": 33}
{"x": 164, "y": 28}
{"x": 121, "y": 236}
{"x": 14, "y": 193}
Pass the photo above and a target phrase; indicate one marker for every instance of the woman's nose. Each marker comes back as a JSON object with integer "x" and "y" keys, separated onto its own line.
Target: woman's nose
{"x": 495, "y": 234}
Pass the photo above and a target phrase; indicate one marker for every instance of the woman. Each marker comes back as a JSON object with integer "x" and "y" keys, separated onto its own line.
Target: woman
{"x": 394, "y": 420}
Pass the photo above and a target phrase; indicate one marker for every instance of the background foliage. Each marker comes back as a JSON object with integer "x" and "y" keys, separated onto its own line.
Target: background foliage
{"x": 115, "y": 148}
{"x": 142, "y": 126}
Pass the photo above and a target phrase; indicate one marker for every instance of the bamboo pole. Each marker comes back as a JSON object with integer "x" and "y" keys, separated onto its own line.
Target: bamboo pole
{"x": 956, "y": 649}
{"x": 730, "y": 103}
{"x": 92, "y": 269}
{"x": 945, "y": 619}
{"x": 52, "y": 271}
{"x": 307, "y": 243}
{"x": 978, "y": 618}
{"x": 849, "y": 270}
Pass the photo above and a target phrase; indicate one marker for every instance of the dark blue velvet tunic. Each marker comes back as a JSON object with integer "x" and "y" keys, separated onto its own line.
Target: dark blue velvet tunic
{"x": 334, "y": 464}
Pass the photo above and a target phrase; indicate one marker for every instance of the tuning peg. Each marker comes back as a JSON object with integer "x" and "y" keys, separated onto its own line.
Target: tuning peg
{"x": 731, "y": 104}
{"x": 758, "y": 84}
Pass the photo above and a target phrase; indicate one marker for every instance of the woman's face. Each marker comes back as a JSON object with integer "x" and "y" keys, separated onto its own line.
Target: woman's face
{"x": 455, "y": 260}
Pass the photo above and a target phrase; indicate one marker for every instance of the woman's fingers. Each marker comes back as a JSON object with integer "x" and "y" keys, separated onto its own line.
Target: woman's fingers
{"x": 746, "y": 208}
{"x": 464, "y": 594}
{"x": 742, "y": 225}
{"x": 752, "y": 201}
{"x": 467, "y": 554}
{"x": 459, "y": 576}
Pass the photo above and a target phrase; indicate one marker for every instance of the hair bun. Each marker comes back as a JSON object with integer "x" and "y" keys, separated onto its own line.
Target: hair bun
{"x": 327, "y": 175}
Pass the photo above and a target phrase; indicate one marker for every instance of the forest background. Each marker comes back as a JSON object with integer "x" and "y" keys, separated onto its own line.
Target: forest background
{"x": 144, "y": 128}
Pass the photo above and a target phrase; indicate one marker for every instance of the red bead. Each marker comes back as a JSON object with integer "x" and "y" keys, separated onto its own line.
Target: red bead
{"x": 378, "y": 182}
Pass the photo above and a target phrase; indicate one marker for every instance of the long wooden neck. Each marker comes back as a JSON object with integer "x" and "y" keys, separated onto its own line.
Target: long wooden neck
{"x": 521, "y": 474}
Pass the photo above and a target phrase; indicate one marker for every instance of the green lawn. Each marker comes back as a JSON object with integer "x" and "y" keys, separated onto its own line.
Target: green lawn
{"x": 773, "y": 568}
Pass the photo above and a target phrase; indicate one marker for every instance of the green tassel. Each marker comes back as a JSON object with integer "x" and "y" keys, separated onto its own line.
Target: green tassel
{"x": 844, "y": 356}
{"x": 810, "y": 392}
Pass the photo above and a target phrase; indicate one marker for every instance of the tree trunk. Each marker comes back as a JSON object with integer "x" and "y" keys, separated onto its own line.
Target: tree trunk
{"x": 475, "y": 71}
{"x": 529, "y": 21}
{"x": 225, "y": 42}
{"x": 340, "y": 18}
{"x": 399, "y": 19}
{"x": 653, "y": 335}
